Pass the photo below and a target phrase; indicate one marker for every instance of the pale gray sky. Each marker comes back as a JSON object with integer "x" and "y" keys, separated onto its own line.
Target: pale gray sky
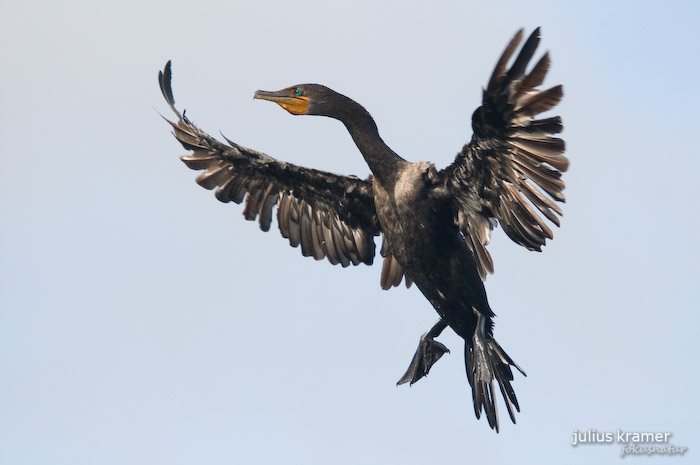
{"x": 143, "y": 322}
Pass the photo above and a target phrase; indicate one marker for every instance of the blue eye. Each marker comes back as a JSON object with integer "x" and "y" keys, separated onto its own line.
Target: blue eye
{"x": 297, "y": 92}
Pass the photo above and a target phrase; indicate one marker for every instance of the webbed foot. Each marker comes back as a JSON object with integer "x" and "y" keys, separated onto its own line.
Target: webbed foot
{"x": 488, "y": 365}
{"x": 429, "y": 351}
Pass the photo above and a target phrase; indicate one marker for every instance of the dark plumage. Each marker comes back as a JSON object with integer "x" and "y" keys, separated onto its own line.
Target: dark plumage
{"x": 435, "y": 224}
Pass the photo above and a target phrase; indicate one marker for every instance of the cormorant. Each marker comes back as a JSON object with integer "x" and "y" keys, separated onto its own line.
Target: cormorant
{"x": 435, "y": 224}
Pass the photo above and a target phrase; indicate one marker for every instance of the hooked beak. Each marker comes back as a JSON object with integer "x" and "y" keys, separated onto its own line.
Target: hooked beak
{"x": 294, "y": 104}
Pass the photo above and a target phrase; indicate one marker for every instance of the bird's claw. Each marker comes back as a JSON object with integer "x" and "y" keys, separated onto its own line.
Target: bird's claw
{"x": 429, "y": 351}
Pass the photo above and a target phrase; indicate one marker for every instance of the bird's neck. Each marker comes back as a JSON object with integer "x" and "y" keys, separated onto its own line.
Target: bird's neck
{"x": 384, "y": 162}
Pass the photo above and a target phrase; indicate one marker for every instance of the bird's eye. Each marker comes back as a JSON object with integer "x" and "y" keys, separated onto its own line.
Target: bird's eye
{"x": 297, "y": 91}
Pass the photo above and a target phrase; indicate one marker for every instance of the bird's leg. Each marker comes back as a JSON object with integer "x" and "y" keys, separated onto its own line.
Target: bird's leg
{"x": 482, "y": 369}
{"x": 487, "y": 364}
{"x": 429, "y": 351}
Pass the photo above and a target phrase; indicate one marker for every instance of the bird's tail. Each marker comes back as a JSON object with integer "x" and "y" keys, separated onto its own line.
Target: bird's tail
{"x": 487, "y": 364}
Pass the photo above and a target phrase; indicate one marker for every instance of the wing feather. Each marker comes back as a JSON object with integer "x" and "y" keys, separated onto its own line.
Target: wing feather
{"x": 511, "y": 169}
{"x": 392, "y": 271}
{"x": 331, "y": 216}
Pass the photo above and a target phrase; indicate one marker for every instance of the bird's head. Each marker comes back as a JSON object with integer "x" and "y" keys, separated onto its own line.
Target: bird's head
{"x": 305, "y": 99}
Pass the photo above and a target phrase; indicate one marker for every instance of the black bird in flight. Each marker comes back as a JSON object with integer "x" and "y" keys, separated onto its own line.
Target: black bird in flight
{"x": 435, "y": 224}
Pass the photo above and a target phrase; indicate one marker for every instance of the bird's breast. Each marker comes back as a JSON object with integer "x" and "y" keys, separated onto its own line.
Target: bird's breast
{"x": 411, "y": 186}
{"x": 409, "y": 216}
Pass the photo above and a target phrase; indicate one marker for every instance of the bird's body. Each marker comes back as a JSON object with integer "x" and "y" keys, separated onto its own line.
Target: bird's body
{"x": 435, "y": 224}
{"x": 418, "y": 224}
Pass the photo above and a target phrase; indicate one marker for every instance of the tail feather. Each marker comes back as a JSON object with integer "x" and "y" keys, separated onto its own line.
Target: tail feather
{"x": 487, "y": 364}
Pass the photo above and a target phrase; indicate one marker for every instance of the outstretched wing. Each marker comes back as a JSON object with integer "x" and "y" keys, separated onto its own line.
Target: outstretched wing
{"x": 513, "y": 162}
{"x": 329, "y": 215}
